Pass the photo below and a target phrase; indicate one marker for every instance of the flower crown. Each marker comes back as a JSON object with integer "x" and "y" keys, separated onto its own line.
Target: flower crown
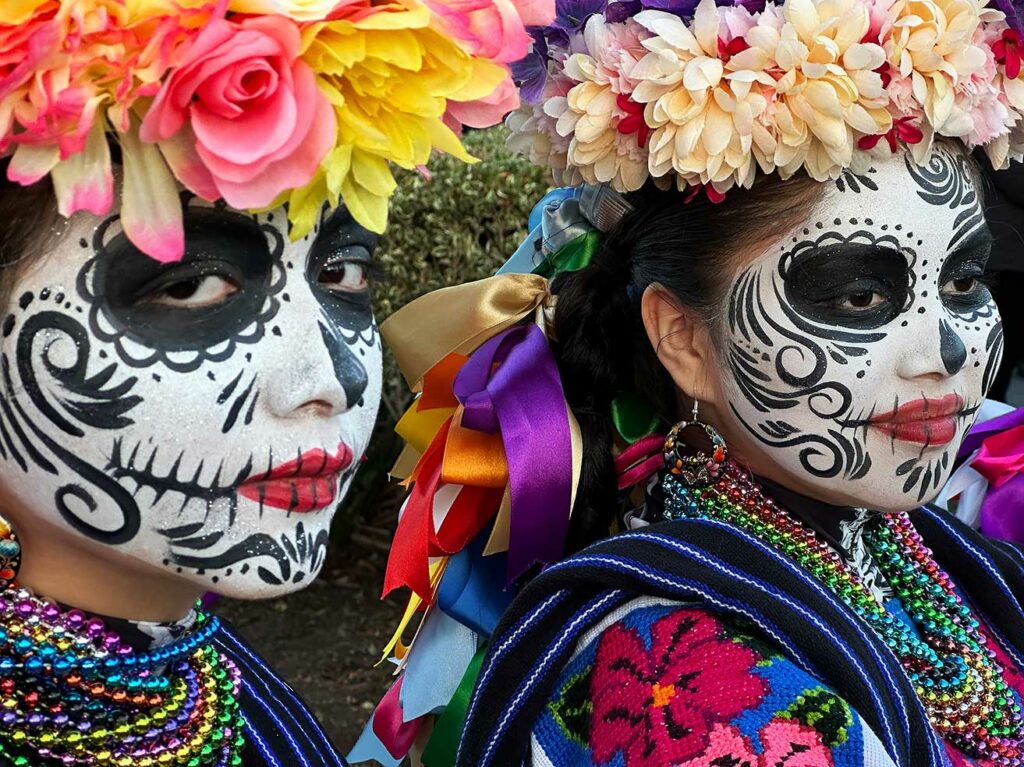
{"x": 256, "y": 102}
{"x": 619, "y": 92}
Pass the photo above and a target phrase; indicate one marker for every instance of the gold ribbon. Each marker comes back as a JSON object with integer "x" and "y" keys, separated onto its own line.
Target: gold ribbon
{"x": 458, "y": 319}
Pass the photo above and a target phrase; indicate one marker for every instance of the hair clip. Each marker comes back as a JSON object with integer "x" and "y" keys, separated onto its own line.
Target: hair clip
{"x": 602, "y": 206}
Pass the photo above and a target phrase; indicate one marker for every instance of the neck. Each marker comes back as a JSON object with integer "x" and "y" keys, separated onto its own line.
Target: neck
{"x": 55, "y": 567}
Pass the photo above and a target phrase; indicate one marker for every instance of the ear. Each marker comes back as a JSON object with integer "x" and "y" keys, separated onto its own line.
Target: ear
{"x": 681, "y": 342}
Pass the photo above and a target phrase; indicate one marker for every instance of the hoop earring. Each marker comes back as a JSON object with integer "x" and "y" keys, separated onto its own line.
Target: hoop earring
{"x": 10, "y": 555}
{"x": 692, "y": 466}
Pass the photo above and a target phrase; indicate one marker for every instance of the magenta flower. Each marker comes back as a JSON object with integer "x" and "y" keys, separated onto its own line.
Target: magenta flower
{"x": 659, "y": 705}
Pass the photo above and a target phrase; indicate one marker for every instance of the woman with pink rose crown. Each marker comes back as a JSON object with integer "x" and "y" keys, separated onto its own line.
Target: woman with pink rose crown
{"x": 190, "y": 368}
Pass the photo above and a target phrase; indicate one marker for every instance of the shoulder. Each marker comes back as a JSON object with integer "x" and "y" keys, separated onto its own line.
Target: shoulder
{"x": 659, "y": 682}
{"x": 280, "y": 728}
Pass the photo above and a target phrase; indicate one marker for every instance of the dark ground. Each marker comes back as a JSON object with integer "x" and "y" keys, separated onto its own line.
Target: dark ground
{"x": 326, "y": 639}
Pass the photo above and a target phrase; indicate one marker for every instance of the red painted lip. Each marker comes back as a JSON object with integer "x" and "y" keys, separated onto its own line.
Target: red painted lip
{"x": 307, "y": 483}
{"x": 924, "y": 421}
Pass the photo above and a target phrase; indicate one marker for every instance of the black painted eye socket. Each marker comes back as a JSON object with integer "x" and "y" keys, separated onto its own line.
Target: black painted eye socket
{"x": 854, "y": 285}
{"x": 217, "y": 290}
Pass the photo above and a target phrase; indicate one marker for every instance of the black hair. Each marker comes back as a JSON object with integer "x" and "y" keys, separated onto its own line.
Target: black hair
{"x": 29, "y": 222}
{"x": 601, "y": 345}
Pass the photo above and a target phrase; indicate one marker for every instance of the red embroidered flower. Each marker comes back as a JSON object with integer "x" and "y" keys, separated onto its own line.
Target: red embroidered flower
{"x": 659, "y": 705}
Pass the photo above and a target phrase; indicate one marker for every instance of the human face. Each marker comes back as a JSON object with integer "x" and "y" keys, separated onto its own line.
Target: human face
{"x": 204, "y": 417}
{"x": 860, "y": 346}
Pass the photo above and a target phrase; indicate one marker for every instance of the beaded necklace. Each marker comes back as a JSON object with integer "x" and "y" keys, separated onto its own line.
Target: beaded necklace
{"x": 72, "y": 693}
{"x": 954, "y": 673}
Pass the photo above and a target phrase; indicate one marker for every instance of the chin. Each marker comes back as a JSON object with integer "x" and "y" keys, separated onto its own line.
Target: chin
{"x": 255, "y": 589}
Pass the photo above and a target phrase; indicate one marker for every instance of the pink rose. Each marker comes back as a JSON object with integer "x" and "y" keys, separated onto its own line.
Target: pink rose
{"x": 248, "y": 109}
{"x": 485, "y": 112}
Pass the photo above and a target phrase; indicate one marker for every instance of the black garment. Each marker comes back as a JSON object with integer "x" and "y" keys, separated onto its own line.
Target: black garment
{"x": 730, "y": 572}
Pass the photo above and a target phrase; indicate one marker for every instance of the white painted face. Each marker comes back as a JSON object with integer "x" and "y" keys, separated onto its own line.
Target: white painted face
{"x": 204, "y": 417}
{"x": 860, "y": 346}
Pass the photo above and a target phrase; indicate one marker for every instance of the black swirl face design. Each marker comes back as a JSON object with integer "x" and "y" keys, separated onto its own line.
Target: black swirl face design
{"x": 859, "y": 349}
{"x": 204, "y": 416}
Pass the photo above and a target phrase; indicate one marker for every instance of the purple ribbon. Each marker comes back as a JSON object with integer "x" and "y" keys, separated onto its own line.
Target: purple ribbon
{"x": 511, "y": 383}
{"x": 1000, "y": 443}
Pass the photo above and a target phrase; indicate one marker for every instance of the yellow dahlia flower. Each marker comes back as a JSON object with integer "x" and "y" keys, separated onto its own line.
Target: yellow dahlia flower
{"x": 389, "y": 76}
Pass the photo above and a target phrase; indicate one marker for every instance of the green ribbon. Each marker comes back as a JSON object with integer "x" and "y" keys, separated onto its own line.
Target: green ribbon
{"x": 572, "y": 256}
{"x": 444, "y": 740}
{"x": 633, "y": 416}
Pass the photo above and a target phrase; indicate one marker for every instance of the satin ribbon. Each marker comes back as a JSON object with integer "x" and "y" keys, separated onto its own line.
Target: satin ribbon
{"x": 458, "y": 320}
{"x": 390, "y": 727}
{"x": 512, "y": 384}
{"x": 1000, "y": 460}
{"x": 444, "y": 742}
{"x": 633, "y": 416}
{"x": 471, "y": 590}
{"x": 640, "y": 461}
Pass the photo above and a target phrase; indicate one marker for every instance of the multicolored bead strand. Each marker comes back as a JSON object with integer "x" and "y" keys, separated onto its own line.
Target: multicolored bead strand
{"x": 72, "y": 693}
{"x": 954, "y": 672}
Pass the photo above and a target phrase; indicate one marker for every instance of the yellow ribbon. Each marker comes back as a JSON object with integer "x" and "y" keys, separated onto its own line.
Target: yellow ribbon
{"x": 458, "y": 319}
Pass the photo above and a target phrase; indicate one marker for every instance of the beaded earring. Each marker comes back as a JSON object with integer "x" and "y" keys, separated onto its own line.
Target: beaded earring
{"x": 10, "y": 554}
{"x": 691, "y": 465}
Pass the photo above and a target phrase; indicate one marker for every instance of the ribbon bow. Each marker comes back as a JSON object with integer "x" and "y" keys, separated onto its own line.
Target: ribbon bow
{"x": 497, "y": 417}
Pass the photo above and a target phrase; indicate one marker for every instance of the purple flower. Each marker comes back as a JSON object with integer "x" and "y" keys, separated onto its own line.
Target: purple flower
{"x": 1014, "y": 13}
{"x": 572, "y": 15}
{"x": 531, "y": 72}
{"x": 625, "y": 9}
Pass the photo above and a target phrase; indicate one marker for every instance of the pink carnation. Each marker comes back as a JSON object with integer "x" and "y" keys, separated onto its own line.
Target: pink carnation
{"x": 493, "y": 29}
{"x": 248, "y": 109}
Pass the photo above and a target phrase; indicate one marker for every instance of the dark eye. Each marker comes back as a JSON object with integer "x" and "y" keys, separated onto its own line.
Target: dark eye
{"x": 345, "y": 276}
{"x": 194, "y": 292}
{"x": 859, "y": 301}
{"x": 961, "y": 286}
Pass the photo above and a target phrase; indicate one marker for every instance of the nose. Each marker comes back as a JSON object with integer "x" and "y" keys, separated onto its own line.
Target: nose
{"x": 318, "y": 377}
{"x": 939, "y": 353}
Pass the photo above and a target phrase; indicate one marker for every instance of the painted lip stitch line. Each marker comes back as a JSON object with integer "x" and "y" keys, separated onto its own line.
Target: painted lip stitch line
{"x": 307, "y": 483}
{"x": 924, "y": 421}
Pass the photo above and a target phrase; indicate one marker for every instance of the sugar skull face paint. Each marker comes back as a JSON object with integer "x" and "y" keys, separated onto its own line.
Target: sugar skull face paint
{"x": 860, "y": 347}
{"x": 205, "y": 416}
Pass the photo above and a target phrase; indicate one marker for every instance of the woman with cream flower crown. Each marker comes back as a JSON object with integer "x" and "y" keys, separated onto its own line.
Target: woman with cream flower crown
{"x": 189, "y": 364}
{"x": 673, "y": 468}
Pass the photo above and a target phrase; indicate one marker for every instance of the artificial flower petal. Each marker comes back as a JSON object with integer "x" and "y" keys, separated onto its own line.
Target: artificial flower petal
{"x": 151, "y": 213}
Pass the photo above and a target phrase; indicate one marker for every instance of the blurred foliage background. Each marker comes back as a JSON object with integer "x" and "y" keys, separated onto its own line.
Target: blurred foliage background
{"x": 456, "y": 225}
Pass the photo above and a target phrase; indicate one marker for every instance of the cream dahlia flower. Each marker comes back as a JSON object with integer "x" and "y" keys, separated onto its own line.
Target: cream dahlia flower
{"x": 705, "y": 97}
{"x": 933, "y": 43}
{"x": 597, "y": 111}
{"x": 828, "y": 91}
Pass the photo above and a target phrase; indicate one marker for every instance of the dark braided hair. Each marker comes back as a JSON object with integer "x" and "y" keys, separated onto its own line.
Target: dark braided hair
{"x": 601, "y": 345}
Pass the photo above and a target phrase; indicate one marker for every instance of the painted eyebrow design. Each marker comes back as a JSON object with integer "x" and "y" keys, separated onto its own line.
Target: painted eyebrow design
{"x": 977, "y": 243}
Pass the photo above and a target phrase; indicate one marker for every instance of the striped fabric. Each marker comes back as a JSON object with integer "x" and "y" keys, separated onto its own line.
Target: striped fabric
{"x": 734, "y": 575}
{"x": 281, "y": 731}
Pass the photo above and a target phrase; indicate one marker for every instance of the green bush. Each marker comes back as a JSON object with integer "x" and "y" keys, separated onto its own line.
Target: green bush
{"x": 459, "y": 225}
